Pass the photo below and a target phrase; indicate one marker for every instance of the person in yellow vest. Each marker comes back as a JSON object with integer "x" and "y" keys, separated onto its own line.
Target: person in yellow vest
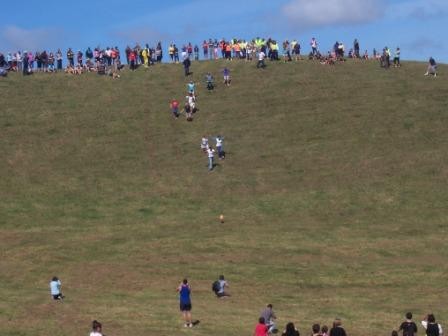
{"x": 145, "y": 55}
{"x": 274, "y": 50}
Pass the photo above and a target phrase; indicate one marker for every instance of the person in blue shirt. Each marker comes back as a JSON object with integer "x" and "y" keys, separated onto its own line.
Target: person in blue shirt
{"x": 191, "y": 88}
{"x": 55, "y": 289}
{"x": 226, "y": 75}
{"x": 184, "y": 290}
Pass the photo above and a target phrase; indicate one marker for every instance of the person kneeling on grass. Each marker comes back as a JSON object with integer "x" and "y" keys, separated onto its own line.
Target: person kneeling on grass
{"x": 55, "y": 289}
{"x": 269, "y": 318}
{"x": 219, "y": 287}
{"x": 432, "y": 68}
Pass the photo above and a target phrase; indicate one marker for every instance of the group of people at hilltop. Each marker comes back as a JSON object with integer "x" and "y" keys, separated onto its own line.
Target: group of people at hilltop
{"x": 110, "y": 60}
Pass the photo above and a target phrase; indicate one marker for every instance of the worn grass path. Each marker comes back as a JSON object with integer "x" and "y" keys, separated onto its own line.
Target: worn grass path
{"x": 334, "y": 192}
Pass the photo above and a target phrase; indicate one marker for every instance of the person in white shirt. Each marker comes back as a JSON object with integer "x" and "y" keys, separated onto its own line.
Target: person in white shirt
{"x": 204, "y": 143}
{"x": 432, "y": 328}
{"x": 313, "y": 44}
{"x": 191, "y": 100}
{"x": 261, "y": 57}
{"x": 96, "y": 329}
{"x": 219, "y": 147}
{"x": 222, "y": 287}
{"x": 210, "y": 154}
{"x": 55, "y": 289}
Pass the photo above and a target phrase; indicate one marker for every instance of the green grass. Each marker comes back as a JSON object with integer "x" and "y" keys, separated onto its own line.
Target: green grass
{"x": 334, "y": 194}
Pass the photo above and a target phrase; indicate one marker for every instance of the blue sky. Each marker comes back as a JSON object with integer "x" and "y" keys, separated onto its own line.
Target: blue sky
{"x": 416, "y": 26}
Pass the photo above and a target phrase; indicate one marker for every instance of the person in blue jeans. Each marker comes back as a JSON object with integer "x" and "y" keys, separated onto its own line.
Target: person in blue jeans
{"x": 219, "y": 147}
{"x": 184, "y": 290}
{"x": 210, "y": 154}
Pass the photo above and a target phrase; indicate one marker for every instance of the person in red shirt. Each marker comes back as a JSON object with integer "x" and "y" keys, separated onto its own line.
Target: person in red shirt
{"x": 132, "y": 59}
{"x": 261, "y": 329}
{"x": 175, "y": 108}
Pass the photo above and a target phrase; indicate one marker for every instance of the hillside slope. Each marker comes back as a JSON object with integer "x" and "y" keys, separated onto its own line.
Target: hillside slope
{"x": 333, "y": 191}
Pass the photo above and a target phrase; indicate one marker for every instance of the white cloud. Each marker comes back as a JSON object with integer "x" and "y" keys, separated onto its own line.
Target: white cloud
{"x": 419, "y": 9}
{"x": 317, "y": 13}
{"x": 17, "y": 38}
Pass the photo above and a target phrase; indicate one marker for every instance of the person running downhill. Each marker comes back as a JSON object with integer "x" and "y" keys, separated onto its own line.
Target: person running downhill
{"x": 174, "y": 105}
{"x": 226, "y": 75}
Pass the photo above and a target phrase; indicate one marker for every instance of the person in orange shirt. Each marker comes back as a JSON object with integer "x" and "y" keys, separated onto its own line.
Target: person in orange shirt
{"x": 228, "y": 51}
{"x": 237, "y": 50}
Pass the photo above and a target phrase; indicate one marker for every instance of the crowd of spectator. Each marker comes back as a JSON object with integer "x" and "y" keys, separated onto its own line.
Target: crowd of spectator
{"x": 110, "y": 60}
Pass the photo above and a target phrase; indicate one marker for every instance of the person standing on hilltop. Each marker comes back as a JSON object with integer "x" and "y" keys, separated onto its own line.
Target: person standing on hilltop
{"x": 356, "y": 48}
{"x": 397, "y": 58}
{"x": 261, "y": 57}
{"x": 70, "y": 57}
{"x": 314, "y": 45}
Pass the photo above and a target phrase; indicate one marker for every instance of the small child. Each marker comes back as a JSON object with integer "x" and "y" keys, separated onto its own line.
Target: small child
{"x": 209, "y": 81}
{"x": 226, "y": 74}
{"x": 55, "y": 289}
{"x": 174, "y": 105}
{"x": 324, "y": 330}
{"x": 204, "y": 143}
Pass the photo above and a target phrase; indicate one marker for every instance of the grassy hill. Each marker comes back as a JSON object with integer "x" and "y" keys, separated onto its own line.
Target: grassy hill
{"x": 334, "y": 192}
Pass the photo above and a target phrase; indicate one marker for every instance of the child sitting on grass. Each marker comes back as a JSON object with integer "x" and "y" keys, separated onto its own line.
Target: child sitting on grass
{"x": 55, "y": 289}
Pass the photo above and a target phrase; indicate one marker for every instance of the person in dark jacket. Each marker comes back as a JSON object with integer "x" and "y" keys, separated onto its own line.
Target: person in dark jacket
{"x": 187, "y": 64}
{"x": 337, "y": 329}
{"x": 408, "y": 327}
